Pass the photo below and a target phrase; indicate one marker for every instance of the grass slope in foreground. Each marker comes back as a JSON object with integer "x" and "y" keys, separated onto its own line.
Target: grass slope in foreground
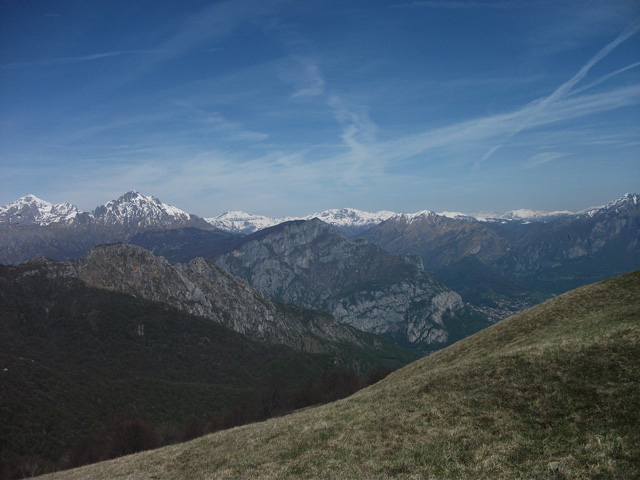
{"x": 553, "y": 392}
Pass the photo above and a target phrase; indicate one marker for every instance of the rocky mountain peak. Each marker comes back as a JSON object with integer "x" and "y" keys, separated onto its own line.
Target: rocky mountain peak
{"x": 311, "y": 264}
{"x": 629, "y": 201}
{"x": 135, "y": 211}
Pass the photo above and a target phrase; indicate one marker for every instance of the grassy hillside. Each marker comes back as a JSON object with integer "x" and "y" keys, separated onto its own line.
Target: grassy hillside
{"x": 553, "y": 392}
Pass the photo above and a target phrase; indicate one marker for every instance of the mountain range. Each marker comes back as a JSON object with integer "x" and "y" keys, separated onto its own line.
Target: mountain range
{"x": 133, "y": 206}
{"x": 28, "y": 229}
{"x": 507, "y": 265}
{"x": 500, "y": 263}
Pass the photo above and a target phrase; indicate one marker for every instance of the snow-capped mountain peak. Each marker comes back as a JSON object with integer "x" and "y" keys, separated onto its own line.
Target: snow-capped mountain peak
{"x": 628, "y": 200}
{"x": 133, "y": 209}
{"x": 351, "y": 217}
{"x": 236, "y": 221}
{"x": 31, "y": 210}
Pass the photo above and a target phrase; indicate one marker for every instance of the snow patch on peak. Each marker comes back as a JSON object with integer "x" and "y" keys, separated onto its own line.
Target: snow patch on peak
{"x": 32, "y": 198}
{"x": 413, "y": 217}
{"x": 246, "y": 223}
{"x": 626, "y": 199}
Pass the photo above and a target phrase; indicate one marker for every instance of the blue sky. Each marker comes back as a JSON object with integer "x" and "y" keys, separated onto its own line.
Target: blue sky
{"x": 291, "y": 107}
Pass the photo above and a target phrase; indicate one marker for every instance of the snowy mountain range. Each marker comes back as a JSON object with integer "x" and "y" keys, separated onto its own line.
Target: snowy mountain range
{"x": 131, "y": 210}
{"x": 350, "y": 220}
{"x": 500, "y": 256}
{"x": 353, "y": 222}
{"x": 135, "y": 210}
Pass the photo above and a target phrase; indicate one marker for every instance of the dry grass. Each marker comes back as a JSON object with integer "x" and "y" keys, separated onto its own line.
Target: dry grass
{"x": 550, "y": 393}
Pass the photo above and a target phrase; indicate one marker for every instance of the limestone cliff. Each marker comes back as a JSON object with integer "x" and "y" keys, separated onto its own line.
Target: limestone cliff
{"x": 311, "y": 264}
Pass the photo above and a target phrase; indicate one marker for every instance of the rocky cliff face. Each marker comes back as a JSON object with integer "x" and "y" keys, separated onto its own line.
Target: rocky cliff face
{"x": 202, "y": 288}
{"x": 311, "y": 264}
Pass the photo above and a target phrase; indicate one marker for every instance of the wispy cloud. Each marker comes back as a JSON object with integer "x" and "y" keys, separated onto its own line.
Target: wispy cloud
{"x": 358, "y": 135}
{"x": 215, "y": 122}
{"x": 77, "y": 59}
{"x": 542, "y": 158}
{"x": 490, "y": 128}
{"x": 575, "y": 23}
{"x": 453, "y": 4}
{"x": 604, "y": 78}
{"x": 542, "y": 107}
{"x": 311, "y": 83}
{"x": 357, "y": 130}
{"x": 215, "y": 21}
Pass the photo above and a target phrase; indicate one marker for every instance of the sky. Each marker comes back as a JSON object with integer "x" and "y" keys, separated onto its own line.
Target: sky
{"x": 280, "y": 107}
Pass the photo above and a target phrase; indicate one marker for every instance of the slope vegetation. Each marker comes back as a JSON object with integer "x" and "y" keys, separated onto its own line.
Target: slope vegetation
{"x": 553, "y": 392}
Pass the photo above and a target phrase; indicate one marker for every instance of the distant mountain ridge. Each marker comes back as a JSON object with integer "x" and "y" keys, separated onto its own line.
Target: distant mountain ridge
{"x": 508, "y": 265}
{"x": 349, "y": 221}
{"x": 352, "y": 222}
{"x": 131, "y": 210}
{"x": 507, "y": 262}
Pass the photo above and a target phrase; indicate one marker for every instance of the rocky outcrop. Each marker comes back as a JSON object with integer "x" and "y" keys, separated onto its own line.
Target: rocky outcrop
{"x": 311, "y": 264}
